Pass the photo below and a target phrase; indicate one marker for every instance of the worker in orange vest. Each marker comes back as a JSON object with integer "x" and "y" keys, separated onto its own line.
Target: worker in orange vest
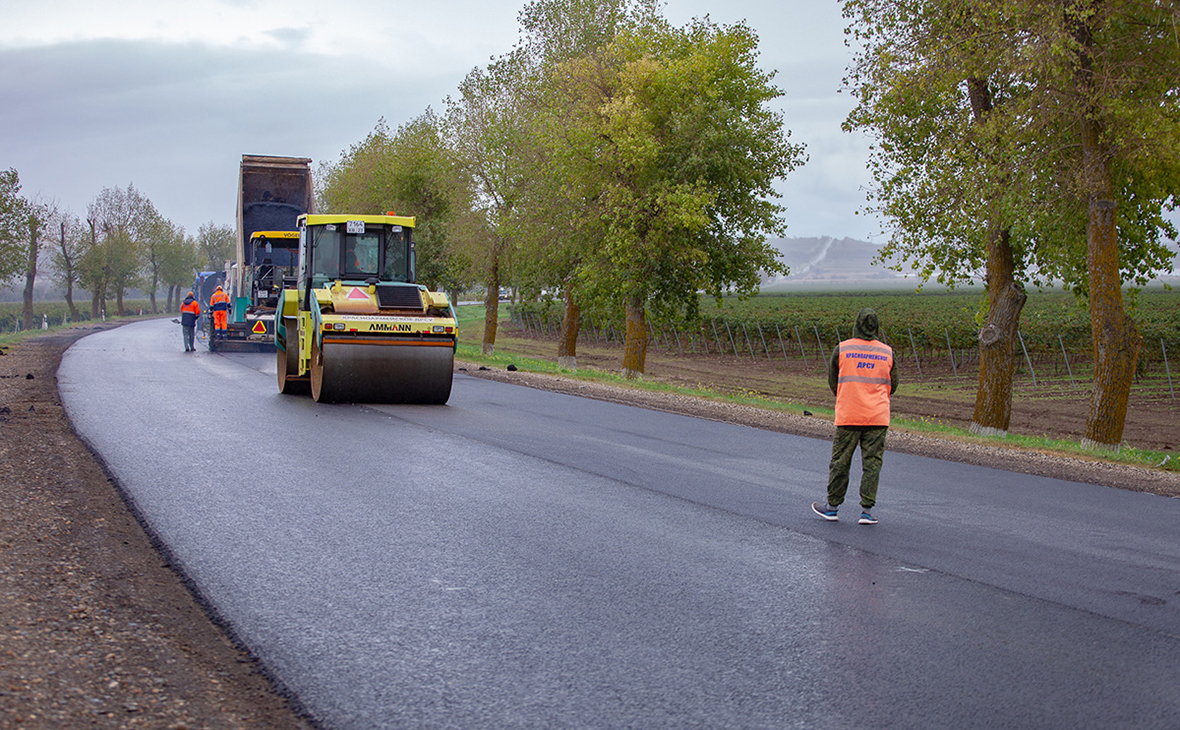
{"x": 189, "y": 311}
{"x": 219, "y": 303}
{"x": 862, "y": 376}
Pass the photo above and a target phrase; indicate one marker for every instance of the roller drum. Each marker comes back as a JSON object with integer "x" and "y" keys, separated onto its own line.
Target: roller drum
{"x": 407, "y": 371}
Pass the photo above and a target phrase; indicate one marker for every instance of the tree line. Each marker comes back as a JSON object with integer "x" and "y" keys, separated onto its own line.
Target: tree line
{"x": 122, "y": 243}
{"x": 625, "y": 166}
{"x": 610, "y": 158}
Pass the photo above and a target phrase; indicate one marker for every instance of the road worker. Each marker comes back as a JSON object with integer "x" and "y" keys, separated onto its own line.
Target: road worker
{"x": 189, "y": 311}
{"x": 219, "y": 303}
{"x": 862, "y": 376}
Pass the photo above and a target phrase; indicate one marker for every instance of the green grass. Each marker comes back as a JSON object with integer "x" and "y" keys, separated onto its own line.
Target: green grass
{"x": 469, "y": 350}
{"x": 11, "y": 313}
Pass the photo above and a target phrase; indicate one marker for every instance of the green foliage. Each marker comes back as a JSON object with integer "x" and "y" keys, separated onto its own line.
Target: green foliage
{"x": 215, "y": 245}
{"x": 407, "y": 171}
{"x": 670, "y": 144}
{"x": 974, "y": 108}
{"x": 14, "y": 212}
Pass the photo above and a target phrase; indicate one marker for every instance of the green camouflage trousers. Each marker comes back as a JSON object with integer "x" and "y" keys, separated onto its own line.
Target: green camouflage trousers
{"x": 872, "y": 450}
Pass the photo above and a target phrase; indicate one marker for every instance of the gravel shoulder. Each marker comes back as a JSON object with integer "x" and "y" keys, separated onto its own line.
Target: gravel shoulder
{"x": 97, "y": 629}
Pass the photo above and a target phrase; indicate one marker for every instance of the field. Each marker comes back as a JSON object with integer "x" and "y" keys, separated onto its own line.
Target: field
{"x": 775, "y": 348}
{"x": 56, "y": 313}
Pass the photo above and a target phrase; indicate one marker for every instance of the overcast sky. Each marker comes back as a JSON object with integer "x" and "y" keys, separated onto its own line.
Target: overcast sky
{"x": 168, "y": 95}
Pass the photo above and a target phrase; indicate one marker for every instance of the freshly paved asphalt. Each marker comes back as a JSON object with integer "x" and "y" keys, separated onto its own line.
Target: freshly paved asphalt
{"x": 522, "y": 559}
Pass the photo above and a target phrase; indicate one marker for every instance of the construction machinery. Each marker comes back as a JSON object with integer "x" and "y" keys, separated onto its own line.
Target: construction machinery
{"x": 272, "y": 193}
{"x": 203, "y": 287}
{"x": 355, "y": 327}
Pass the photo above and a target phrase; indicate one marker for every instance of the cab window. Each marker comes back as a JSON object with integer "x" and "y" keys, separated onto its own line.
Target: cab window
{"x": 361, "y": 253}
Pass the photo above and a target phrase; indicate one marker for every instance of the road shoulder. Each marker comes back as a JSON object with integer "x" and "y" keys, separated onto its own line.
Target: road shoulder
{"x": 97, "y": 629}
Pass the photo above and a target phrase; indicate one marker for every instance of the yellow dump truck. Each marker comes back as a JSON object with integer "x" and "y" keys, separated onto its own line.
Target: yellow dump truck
{"x": 355, "y": 327}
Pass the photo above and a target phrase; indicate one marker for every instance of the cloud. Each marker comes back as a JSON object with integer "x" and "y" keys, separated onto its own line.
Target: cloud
{"x": 292, "y": 38}
{"x": 176, "y": 118}
{"x": 174, "y": 101}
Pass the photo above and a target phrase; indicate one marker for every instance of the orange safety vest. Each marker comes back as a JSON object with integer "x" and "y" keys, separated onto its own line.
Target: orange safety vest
{"x": 862, "y": 390}
{"x": 219, "y": 302}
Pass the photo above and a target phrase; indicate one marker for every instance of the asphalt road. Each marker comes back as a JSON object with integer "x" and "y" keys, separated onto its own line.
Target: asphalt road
{"x": 522, "y": 559}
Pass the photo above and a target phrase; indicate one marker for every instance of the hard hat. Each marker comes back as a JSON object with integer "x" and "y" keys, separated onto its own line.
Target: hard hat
{"x": 219, "y": 287}
{"x": 190, "y": 294}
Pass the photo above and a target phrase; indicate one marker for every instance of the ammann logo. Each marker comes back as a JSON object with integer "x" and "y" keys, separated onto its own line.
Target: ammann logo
{"x": 384, "y": 327}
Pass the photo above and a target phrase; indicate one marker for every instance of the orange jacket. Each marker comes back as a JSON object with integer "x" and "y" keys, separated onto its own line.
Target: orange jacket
{"x": 189, "y": 311}
{"x": 863, "y": 383}
{"x": 219, "y": 301}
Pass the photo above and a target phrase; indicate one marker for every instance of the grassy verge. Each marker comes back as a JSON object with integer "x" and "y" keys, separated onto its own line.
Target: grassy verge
{"x": 511, "y": 350}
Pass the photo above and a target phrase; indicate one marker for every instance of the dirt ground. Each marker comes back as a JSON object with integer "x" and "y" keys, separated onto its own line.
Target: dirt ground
{"x": 1054, "y": 407}
{"x": 97, "y": 630}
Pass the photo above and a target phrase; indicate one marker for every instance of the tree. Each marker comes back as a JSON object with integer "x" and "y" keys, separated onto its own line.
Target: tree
{"x": 216, "y": 244}
{"x": 408, "y": 171}
{"x": 488, "y": 127}
{"x": 13, "y": 225}
{"x": 156, "y": 235}
{"x": 1049, "y": 132}
{"x": 93, "y": 271}
{"x": 118, "y": 220}
{"x": 672, "y": 141}
{"x": 37, "y": 217}
{"x": 71, "y": 244}
{"x": 1113, "y": 70}
{"x": 945, "y": 171}
{"x": 555, "y": 230}
{"x": 178, "y": 268}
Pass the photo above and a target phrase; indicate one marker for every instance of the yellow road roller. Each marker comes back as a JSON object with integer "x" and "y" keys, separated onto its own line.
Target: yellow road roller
{"x": 355, "y": 327}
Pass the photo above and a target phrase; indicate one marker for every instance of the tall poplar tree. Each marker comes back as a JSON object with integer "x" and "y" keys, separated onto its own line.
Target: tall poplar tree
{"x": 488, "y": 127}
{"x": 673, "y": 143}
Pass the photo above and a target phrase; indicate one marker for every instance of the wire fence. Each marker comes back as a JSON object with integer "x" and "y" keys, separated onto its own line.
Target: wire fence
{"x": 1043, "y": 359}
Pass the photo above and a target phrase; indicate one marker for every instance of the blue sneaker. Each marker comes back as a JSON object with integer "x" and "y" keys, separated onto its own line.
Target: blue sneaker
{"x": 866, "y": 519}
{"x": 825, "y": 510}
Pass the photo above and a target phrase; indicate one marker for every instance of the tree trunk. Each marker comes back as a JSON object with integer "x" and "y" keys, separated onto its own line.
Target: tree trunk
{"x": 1006, "y": 298}
{"x": 1116, "y": 338}
{"x": 31, "y": 270}
{"x": 69, "y": 275}
{"x": 70, "y": 300}
{"x": 997, "y": 340}
{"x": 635, "y": 341}
{"x": 96, "y": 293}
{"x": 567, "y": 342}
{"x": 491, "y": 310}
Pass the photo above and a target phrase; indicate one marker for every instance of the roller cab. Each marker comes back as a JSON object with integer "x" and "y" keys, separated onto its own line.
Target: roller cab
{"x": 355, "y": 327}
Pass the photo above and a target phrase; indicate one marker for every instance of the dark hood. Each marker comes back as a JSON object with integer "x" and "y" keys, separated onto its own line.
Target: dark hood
{"x": 867, "y": 325}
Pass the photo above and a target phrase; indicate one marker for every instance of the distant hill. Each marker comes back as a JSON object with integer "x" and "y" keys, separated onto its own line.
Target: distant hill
{"x": 847, "y": 262}
{"x": 834, "y": 261}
